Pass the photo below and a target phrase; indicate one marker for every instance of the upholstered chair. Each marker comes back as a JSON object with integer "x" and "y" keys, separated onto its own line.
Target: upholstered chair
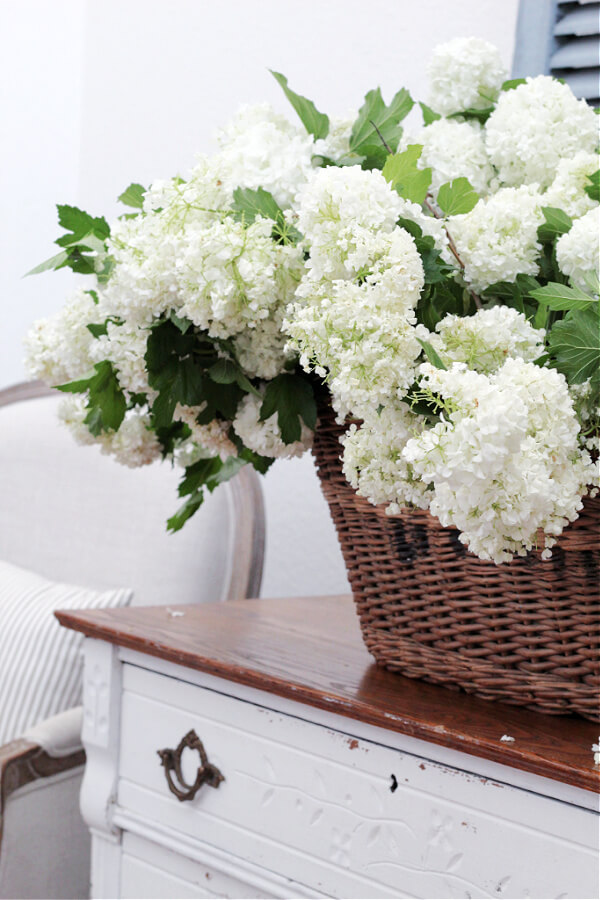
{"x": 72, "y": 515}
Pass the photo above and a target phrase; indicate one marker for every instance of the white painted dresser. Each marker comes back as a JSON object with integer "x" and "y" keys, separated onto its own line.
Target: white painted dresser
{"x": 330, "y": 776}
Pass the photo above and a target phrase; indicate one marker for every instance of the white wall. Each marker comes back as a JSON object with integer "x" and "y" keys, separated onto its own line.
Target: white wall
{"x": 134, "y": 88}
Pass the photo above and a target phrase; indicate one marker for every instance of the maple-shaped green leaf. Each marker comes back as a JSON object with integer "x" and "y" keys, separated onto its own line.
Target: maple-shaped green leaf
{"x": 292, "y": 398}
{"x": 133, "y": 196}
{"x": 404, "y": 175}
{"x": 106, "y": 402}
{"x": 457, "y": 196}
{"x": 377, "y": 129}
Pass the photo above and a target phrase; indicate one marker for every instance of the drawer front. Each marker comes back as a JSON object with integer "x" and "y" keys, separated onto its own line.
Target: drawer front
{"x": 347, "y": 817}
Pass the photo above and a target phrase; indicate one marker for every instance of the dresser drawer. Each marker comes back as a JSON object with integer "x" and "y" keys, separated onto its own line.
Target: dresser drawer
{"x": 348, "y": 817}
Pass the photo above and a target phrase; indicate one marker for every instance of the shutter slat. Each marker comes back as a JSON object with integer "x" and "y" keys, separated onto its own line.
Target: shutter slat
{"x": 584, "y": 84}
{"x": 582, "y": 21}
{"x": 579, "y": 53}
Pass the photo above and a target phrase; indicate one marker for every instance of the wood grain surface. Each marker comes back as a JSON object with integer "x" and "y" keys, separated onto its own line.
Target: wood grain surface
{"x": 310, "y": 649}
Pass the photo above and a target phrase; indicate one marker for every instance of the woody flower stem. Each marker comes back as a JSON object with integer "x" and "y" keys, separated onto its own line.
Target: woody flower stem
{"x": 427, "y": 202}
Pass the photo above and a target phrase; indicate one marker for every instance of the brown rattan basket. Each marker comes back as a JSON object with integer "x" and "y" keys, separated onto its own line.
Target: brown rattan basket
{"x": 526, "y": 632}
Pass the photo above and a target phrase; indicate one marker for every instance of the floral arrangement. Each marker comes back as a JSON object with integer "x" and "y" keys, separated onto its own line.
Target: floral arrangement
{"x": 442, "y": 286}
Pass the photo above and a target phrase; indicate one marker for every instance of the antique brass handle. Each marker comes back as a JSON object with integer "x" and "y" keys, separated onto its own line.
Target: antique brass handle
{"x": 171, "y": 760}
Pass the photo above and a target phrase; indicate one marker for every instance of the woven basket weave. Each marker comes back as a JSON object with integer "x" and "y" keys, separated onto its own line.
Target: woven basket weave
{"x": 526, "y": 632}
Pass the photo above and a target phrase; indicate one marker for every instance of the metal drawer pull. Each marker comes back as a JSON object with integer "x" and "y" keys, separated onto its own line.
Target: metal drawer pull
{"x": 207, "y": 773}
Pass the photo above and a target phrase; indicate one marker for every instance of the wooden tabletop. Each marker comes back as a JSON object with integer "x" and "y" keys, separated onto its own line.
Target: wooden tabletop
{"x": 310, "y": 649}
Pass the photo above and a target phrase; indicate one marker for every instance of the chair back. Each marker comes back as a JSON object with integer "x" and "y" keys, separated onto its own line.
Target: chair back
{"x": 72, "y": 514}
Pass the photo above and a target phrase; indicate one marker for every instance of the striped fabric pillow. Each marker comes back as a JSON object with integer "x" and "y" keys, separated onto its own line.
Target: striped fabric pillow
{"x": 40, "y": 662}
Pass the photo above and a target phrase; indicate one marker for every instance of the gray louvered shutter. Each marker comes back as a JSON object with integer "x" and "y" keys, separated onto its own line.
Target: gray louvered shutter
{"x": 562, "y": 38}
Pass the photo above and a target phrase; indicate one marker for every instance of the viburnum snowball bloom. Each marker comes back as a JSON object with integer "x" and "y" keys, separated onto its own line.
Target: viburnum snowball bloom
{"x": 337, "y": 203}
{"x": 567, "y": 191}
{"x": 124, "y": 345}
{"x": 504, "y": 460}
{"x": 337, "y": 143}
{"x": 464, "y": 73}
{"x": 534, "y": 126}
{"x": 212, "y": 436}
{"x": 231, "y": 276}
{"x": 57, "y": 349}
{"x": 265, "y": 437}
{"x": 372, "y": 460}
{"x": 261, "y": 349}
{"x": 577, "y": 250}
{"x": 133, "y": 445}
{"x": 455, "y": 149}
{"x": 359, "y": 331}
{"x": 260, "y": 148}
{"x": 486, "y": 339}
{"x": 498, "y": 240}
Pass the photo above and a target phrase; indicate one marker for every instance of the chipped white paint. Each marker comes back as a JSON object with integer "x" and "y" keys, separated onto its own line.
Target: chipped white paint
{"x": 308, "y": 809}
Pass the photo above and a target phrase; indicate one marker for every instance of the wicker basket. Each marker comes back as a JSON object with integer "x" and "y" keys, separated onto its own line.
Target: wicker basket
{"x": 526, "y": 632}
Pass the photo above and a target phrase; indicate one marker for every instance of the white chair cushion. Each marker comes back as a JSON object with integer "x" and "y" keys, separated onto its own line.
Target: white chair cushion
{"x": 80, "y": 517}
{"x": 40, "y": 662}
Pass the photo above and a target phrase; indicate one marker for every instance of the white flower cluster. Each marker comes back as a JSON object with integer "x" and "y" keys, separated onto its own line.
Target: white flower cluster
{"x": 57, "y": 350}
{"x": 454, "y": 149}
{"x": 264, "y": 437}
{"x": 498, "y": 240}
{"x": 534, "y": 127}
{"x": 567, "y": 191}
{"x": 354, "y": 312}
{"x": 577, "y": 251}
{"x": 485, "y": 340}
{"x": 464, "y": 73}
{"x": 504, "y": 460}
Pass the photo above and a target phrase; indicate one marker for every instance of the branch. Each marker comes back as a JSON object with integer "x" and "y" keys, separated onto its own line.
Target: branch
{"x": 427, "y": 202}
{"x": 381, "y": 137}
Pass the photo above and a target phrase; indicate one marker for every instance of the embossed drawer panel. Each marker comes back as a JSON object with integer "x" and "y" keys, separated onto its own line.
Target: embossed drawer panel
{"x": 350, "y": 818}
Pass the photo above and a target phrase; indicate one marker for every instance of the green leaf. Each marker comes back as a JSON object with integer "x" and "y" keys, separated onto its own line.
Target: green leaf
{"x": 429, "y": 115}
{"x": 403, "y": 174}
{"x": 226, "y": 371}
{"x": 513, "y": 83}
{"x": 133, "y": 196}
{"x": 560, "y": 297}
{"x": 249, "y": 203}
{"x": 557, "y": 223}
{"x": 106, "y": 401}
{"x": 180, "y": 322}
{"x": 204, "y": 474}
{"x": 593, "y": 188}
{"x": 292, "y": 398}
{"x": 574, "y": 343}
{"x": 316, "y": 123}
{"x": 55, "y": 262}
{"x": 75, "y": 220}
{"x": 431, "y": 354}
{"x": 482, "y": 115}
{"x": 457, "y": 197}
{"x": 377, "y": 129}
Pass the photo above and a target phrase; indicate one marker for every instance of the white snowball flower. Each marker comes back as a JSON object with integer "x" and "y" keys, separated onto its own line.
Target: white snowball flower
{"x": 260, "y": 148}
{"x": 133, "y": 445}
{"x": 504, "y": 460}
{"x": 261, "y": 350}
{"x": 359, "y": 330}
{"x": 497, "y": 240}
{"x": 264, "y": 438}
{"x": 125, "y": 346}
{"x": 229, "y": 276}
{"x": 337, "y": 143}
{"x": 455, "y": 149}
{"x": 485, "y": 340}
{"x": 464, "y": 73}
{"x": 212, "y": 436}
{"x": 567, "y": 191}
{"x": 334, "y": 205}
{"x": 577, "y": 250}
{"x": 534, "y": 126}
{"x": 372, "y": 460}
{"x": 58, "y": 348}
